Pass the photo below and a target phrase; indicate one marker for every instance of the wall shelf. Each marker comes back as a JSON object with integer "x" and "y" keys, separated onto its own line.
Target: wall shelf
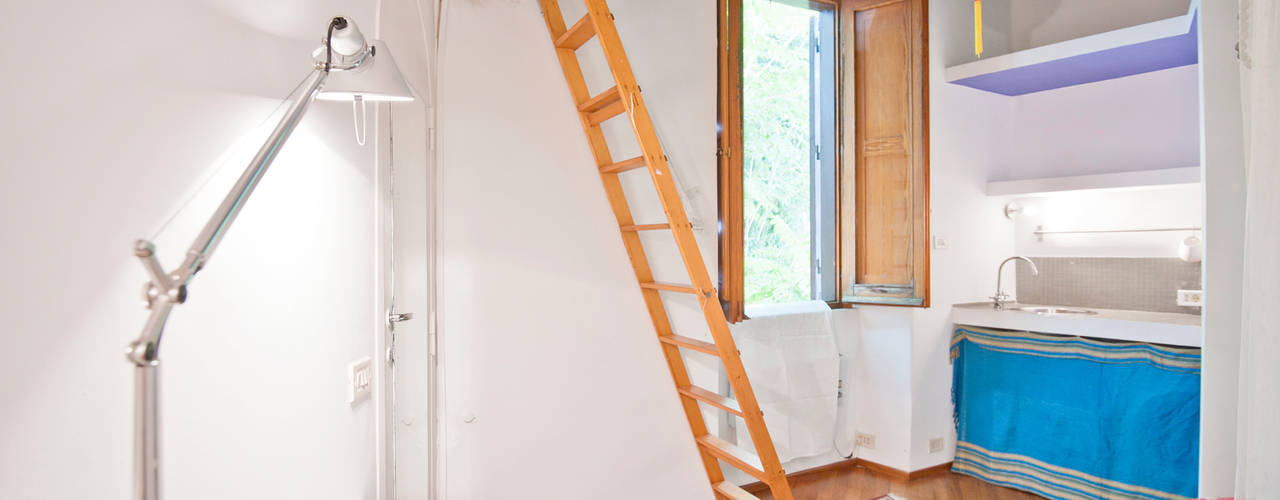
{"x": 1120, "y": 180}
{"x": 1154, "y": 46}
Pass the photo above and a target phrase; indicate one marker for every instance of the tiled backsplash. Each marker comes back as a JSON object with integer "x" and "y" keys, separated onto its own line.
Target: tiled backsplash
{"x": 1139, "y": 284}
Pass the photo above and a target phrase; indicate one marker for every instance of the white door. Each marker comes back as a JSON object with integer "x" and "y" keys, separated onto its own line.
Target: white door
{"x": 404, "y": 409}
{"x": 406, "y": 423}
{"x": 412, "y": 355}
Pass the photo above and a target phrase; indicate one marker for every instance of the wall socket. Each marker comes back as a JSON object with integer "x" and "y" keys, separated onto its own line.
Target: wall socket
{"x": 935, "y": 445}
{"x": 1193, "y": 298}
{"x": 360, "y": 374}
{"x": 864, "y": 440}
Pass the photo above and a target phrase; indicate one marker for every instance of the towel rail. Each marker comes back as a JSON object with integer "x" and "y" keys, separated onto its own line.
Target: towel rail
{"x": 1040, "y": 232}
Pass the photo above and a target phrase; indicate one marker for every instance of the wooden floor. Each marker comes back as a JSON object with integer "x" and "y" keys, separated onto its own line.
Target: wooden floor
{"x": 859, "y": 483}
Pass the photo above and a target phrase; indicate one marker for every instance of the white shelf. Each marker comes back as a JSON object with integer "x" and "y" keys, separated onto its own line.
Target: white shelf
{"x": 1154, "y": 46}
{"x": 1140, "y": 179}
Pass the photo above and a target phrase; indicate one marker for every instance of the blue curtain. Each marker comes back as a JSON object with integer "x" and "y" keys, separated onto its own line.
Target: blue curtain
{"x": 1070, "y": 417}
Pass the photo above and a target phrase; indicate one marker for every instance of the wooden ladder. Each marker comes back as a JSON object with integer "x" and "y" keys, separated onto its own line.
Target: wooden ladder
{"x": 624, "y": 97}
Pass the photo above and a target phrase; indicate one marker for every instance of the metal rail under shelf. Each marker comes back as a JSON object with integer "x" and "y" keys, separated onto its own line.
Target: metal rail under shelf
{"x": 1040, "y": 232}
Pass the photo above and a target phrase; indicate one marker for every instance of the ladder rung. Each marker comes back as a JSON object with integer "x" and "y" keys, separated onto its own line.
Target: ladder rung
{"x": 733, "y": 455}
{"x": 577, "y": 34}
{"x": 623, "y": 166}
{"x": 711, "y": 398}
{"x": 598, "y": 102}
{"x": 670, "y": 287}
{"x": 691, "y": 343}
{"x": 733, "y": 492}
{"x": 607, "y": 111}
{"x": 645, "y": 227}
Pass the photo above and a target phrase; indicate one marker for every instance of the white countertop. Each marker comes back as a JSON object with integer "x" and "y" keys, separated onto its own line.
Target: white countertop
{"x": 1137, "y": 326}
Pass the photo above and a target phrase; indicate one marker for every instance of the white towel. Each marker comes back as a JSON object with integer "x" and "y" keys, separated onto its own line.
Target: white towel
{"x": 791, "y": 357}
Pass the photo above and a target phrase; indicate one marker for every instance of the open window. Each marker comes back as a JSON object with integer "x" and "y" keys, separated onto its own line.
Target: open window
{"x": 823, "y": 152}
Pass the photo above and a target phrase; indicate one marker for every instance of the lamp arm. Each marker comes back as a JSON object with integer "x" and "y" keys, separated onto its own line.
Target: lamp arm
{"x": 165, "y": 290}
{"x": 202, "y": 248}
{"x": 217, "y": 226}
{"x": 170, "y": 287}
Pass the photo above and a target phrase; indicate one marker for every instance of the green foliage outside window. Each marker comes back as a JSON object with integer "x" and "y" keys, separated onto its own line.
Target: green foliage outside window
{"x": 776, "y": 128}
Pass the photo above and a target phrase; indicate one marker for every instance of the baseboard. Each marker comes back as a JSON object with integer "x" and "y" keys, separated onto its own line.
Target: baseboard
{"x": 884, "y": 470}
{"x": 901, "y": 475}
{"x": 759, "y": 487}
{"x": 929, "y": 471}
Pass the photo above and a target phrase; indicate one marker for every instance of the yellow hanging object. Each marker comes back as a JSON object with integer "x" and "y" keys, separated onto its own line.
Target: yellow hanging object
{"x": 977, "y": 27}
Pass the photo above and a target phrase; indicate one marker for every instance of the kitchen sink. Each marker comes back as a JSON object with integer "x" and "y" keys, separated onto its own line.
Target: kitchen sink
{"x": 1054, "y": 311}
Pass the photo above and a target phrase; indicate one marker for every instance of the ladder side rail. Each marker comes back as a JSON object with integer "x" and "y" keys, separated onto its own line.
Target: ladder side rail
{"x": 659, "y": 170}
{"x": 631, "y": 241}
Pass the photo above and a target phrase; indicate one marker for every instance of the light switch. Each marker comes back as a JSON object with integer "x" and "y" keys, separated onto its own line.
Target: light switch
{"x": 361, "y": 378}
{"x": 940, "y": 243}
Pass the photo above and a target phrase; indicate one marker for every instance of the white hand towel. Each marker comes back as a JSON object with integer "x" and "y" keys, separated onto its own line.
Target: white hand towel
{"x": 791, "y": 358}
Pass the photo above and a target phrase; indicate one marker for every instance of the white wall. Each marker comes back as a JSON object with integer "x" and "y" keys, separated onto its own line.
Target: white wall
{"x": 1224, "y": 194}
{"x": 881, "y": 384}
{"x": 117, "y": 111}
{"x": 1141, "y": 122}
{"x": 1163, "y": 207}
{"x": 554, "y": 384}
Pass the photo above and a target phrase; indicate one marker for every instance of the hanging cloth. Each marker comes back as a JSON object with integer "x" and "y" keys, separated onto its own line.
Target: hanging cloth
{"x": 977, "y": 27}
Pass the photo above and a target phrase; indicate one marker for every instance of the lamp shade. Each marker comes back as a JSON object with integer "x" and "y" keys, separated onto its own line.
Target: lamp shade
{"x": 376, "y": 79}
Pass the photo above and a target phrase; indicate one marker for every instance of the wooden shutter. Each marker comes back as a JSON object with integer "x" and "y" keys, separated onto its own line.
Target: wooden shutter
{"x": 887, "y": 132}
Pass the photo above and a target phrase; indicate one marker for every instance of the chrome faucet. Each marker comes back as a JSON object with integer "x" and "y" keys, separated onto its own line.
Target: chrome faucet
{"x": 1000, "y": 298}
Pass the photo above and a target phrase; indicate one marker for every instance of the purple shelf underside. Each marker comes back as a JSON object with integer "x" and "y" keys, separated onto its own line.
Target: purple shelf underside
{"x": 1145, "y": 57}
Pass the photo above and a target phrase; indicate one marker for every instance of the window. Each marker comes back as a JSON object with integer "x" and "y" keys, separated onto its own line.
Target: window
{"x": 788, "y": 92}
{"x": 819, "y": 198}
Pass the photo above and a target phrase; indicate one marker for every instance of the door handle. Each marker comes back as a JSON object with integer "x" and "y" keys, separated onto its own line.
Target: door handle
{"x": 398, "y": 317}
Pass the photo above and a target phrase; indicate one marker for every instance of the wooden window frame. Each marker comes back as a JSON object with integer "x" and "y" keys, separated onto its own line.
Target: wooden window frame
{"x": 729, "y": 141}
{"x": 729, "y": 165}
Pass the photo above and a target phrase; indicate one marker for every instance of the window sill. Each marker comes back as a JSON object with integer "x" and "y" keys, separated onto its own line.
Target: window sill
{"x": 783, "y": 309}
{"x": 850, "y": 302}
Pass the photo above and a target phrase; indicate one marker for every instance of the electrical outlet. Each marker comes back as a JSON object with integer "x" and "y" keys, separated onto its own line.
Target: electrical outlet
{"x": 360, "y": 374}
{"x": 1194, "y": 298}
{"x": 864, "y": 440}
{"x": 935, "y": 445}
